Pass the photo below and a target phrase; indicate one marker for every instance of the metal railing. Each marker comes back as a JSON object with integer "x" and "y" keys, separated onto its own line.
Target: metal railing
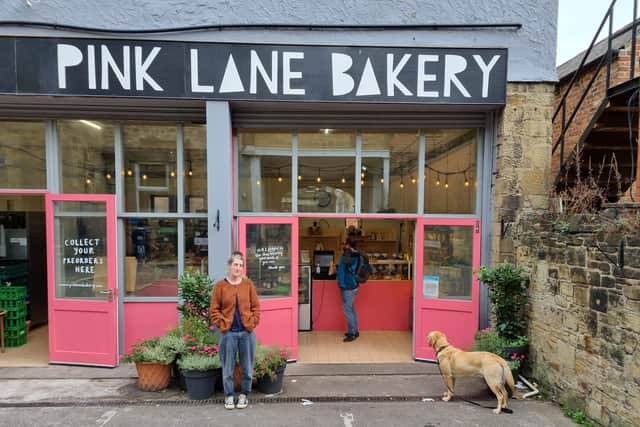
{"x": 607, "y": 59}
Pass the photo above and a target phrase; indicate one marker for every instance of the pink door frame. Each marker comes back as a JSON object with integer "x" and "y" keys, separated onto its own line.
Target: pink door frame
{"x": 278, "y": 316}
{"x": 83, "y": 331}
{"x": 458, "y": 319}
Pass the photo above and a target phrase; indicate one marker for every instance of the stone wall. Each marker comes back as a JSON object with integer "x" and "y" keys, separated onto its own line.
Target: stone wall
{"x": 584, "y": 314}
{"x": 523, "y": 154}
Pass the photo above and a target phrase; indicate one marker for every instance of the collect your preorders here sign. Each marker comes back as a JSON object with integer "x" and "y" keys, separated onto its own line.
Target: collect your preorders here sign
{"x": 100, "y": 67}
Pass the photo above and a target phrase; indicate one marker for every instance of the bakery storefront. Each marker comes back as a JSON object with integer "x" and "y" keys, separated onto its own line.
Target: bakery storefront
{"x": 124, "y": 163}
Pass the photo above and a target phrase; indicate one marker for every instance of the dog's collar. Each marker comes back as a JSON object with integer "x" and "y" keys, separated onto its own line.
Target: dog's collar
{"x": 441, "y": 348}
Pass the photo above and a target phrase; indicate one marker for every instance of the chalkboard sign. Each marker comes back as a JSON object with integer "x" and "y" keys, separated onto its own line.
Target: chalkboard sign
{"x": 269, "y": 258}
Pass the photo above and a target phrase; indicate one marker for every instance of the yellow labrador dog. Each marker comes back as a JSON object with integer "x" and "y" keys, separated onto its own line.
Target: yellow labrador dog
{"x": 455, "y": 362}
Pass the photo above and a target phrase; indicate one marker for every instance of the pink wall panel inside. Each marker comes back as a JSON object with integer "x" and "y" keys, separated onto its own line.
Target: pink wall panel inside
{"x": 147, "y": 319}
{"x": 380, "y": 305}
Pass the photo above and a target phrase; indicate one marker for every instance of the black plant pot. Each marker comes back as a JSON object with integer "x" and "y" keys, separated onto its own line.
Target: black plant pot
{"x": 267, "y": 385}
{"x": 508, "y": 351}
{"x": 200, "y": 384}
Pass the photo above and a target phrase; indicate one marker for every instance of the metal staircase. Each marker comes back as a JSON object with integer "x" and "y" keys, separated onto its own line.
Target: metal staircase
{"x": 604, "y": 145}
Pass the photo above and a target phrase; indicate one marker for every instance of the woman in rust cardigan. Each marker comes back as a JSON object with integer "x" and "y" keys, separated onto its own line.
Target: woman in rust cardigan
{"x": 235, "y": 310}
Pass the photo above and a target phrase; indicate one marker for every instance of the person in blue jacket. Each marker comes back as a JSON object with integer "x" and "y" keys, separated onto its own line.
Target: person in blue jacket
{"x": 349, "y": 286}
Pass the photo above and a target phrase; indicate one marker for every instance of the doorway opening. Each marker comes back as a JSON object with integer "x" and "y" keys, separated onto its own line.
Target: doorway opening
{"x": 23, "y": 267}
{"x": 384, "y": 304}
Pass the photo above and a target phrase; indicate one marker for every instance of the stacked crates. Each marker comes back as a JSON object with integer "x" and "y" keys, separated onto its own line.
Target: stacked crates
{"x": 13, "y": 299}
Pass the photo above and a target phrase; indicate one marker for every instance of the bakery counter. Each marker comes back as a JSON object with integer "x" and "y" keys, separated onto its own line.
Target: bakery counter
{"x": 380, "y": 305}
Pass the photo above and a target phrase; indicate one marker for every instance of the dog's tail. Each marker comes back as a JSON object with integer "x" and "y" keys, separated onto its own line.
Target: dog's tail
{"x": 508, "y": 377}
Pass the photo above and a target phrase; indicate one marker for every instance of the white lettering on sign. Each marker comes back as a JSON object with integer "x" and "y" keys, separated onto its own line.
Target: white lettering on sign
{"x": 84, "y": 246}
{"x": 71, "y": 56}
{"x": 269, "y": 255}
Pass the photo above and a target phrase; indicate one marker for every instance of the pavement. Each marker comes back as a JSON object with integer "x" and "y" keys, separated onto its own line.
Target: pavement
{"x": 72, "y": 386}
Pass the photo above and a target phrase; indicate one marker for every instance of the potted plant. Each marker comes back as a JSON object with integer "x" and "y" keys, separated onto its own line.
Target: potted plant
{"x": 268, "y": 368}
{"x": 508, "y": 296}
{"x": 194, "y": 291}
{"x": 153, "y": 358}
{"x": 199, "y": 364}
{"x": 516, "y": 362}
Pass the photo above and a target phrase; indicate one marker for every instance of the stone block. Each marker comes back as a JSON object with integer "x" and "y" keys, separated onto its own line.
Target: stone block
{"x": 566, "y": 289}
{"x": 632, "y": 291}
{"x": 581, "y": 296}
{"x": 632, "y": 273}
{"x": 599, "y": 299}
{"x": 604, "y": 267}
{"x": 570, "y": 322}
{"x": 576, "y": 256}
{"x": 578, "y": 275}
{"x": 607, "y": 281}
{"x": 593, "y": 277}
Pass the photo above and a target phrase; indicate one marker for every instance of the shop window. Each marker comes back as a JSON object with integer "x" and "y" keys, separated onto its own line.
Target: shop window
{"x": 22, "y": 155}
{"x": 87, "y": 156}
{"x": 196, "y": 244}
{"x": 327, "y": 139}
{"x": 389, "y": 171}
{"x": 151, "y": 262}
{"x": 447, "y": 262}
{"x": 195, "y": 167}
{"x": 150, "y": 168}
{"x": 450, "y": 174}
{"x": 268, "y": 258}
{"x": 326, "y": 184}
{"x": 264, "y": 171}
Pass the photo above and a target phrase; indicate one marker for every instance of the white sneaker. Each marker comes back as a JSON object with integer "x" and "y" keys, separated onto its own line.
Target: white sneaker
{"x": 228, "y": 402}
{"x": 242, "y": 401}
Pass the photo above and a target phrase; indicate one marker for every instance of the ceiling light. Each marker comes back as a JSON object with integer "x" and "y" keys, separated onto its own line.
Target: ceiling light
{"x": 91, "y": 124}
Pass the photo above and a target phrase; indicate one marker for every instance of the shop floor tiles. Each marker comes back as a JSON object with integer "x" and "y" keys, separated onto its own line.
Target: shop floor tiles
{"x": 370, "y": 347}
{"x": 34, "y": 353}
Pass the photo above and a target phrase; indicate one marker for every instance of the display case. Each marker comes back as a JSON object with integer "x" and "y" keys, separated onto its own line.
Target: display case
{"x": 304, "y": 297}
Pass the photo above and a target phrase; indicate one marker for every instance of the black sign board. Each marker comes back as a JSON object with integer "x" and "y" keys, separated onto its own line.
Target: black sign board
{"x": 219, "y": 71}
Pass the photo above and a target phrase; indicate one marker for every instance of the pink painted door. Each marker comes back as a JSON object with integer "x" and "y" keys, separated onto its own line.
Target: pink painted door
{"x": 81, "y": 264}
{"x": 270, "y": 246}
{"x": 446, "y": 289}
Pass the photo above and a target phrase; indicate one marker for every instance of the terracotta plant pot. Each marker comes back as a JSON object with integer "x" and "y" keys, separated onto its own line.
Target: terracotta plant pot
{"x": 153, "y": 376}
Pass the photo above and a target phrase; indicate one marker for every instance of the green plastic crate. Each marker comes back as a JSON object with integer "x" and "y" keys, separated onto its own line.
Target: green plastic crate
{"x": 15, "y": 323}
{"x": 15, "y": 337}
{"x": 13, "y": 305}
{"x": 9, "y": 293}
{"x": 16, "y": 314}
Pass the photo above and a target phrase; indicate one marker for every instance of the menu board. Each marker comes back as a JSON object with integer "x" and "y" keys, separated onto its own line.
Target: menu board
{"x": 269, "y": 258}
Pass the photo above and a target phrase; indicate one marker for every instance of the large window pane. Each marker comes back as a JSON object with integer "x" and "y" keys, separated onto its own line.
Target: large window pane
{"x": 389, "y": 171}
{"x": 447, "y": 263}
{"x": 150, "y": 168}
{"x": 151, "y": 263}
{"x": 87, "y": 156}
{"x": 326, "y": 139}
{"x": 81, "y": 250}
{"x": 196, "y": 244}
{"x": 450, "y": 171}
{"x": 264, "y": 171}
{"x": 326, "y": 184}
{"x": 195, "y": 167}
{"x": 22, "y": 155}
{"x": 268, "y": 258}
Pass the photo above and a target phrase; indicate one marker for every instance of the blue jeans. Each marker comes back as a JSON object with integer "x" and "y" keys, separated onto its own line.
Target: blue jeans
{"x": 348, "y": 297}
{"x": 244, "y": 345}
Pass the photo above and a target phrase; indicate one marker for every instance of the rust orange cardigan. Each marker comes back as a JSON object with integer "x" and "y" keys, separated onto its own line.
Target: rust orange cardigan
{"x": 223, "y": 304}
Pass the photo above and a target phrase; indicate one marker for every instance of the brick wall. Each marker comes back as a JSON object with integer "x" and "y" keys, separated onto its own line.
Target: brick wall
{"x": 584, "y": 314}
{"x": 620, "y": 70}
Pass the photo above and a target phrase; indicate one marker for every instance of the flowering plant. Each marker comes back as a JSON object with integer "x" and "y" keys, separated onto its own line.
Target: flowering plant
{"x": 516, "y": 360}
{"x": 156, "y": 349}
{"x": 268, "y": 360}
{"x": 194, "y": 289}
{"x": 198, "y": 356}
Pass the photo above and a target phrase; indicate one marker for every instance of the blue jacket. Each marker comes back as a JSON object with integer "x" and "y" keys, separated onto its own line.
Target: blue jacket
{"x": 347, "y": 272}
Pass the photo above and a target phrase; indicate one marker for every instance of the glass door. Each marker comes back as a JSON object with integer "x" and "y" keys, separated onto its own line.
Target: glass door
{"x": 446, "y": 291}
{"x": 82, "y": 288}
{"x": 270, "y": 246}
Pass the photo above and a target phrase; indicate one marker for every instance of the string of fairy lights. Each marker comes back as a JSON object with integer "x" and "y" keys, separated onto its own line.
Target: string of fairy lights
{"x": 442, "y": 177}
